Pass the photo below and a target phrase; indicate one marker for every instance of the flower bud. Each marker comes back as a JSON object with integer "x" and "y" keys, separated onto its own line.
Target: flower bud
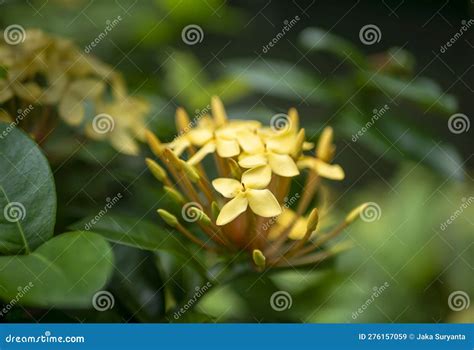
{"x": 355, "y": 213}
{"x": 313, "y": 220}
{"x": 190, "y": 171}
{"x": 158, "y": 172}
{"x": 258, "y": 258}
{"x": 325, "y": 148}
{"x": 203, "y": 218}
{"x": 169, "y": 218}
{"x": 182, "y": 120}
{"x": 174, "y": 195}
{"x": 215, "y": 210}
{"x": 218, "y": 111}
{"x": 154, "y": 143}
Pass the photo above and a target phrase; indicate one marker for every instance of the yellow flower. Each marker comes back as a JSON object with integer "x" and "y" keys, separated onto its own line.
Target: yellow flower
{"x": 49, "y": 71}
{"x": 247, "y": 192}
{"x": 256, "y": 166}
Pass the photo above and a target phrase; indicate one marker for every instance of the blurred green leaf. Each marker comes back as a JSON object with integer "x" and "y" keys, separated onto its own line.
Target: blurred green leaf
{"x": 65, "y": 271}
{"x": 420, "y": 91}
{"x": 27, "y": 193}
{"x": 281, "y": 79}
{"x": 316, "y": 39}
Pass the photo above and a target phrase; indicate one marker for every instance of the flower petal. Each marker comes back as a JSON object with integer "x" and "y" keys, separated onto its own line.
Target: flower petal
{"x": 229, "y": 188}
{"x": 209, "y": 147}
{"x": 282, "y": 164}
{"x": 232, "y": 209}
{"x": 227, "y": 148}
{"x": 249, "y": 141}
{"x": 258, "y": 177}
{"x": 263, "y": 203}
{"x": 328, "y": 171}
{"x": 252, "y": 161}
{"x": 199, "y": 136}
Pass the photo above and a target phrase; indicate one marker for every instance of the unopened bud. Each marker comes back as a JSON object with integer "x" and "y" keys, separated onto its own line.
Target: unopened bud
{"x": 258, "y": 258}
{"x": 234, "y": 168}
{"x": 325, "y": 148}
{"x": 313, "y": 220}
{"x": 154, "y": 143}
{"x": 298, "y": 145}
{"x": 158, "y": 172}
{"x": 190, "y": 171}
{"x": 174, "y": 195}
{"x": 215, "y": 210}
{"x": 182, "y": 120}
{"x": 203, "y": 218}
{"x": 218, "y": 111}
{"x": 169, "y": 218}
{"x": 355, "y": 213}
{"x": 172, "y": 158}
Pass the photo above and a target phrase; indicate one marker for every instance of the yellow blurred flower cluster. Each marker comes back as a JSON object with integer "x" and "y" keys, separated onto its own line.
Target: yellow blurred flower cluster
{"x": 61, "y": 81}
{"x": 244, "y": 207}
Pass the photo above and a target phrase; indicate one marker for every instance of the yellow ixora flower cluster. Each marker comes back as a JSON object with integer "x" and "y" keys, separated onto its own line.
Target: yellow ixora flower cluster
{"x": 54, "y": 79}
{"x": 244, "y": 207}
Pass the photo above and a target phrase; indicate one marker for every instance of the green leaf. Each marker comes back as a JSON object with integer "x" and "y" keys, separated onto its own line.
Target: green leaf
{"x": 138, "y": 284}
{"x": 421, "y": 91}
{"x": 280, "y": 79}
{"x": 316, "y": 39}
{"x": 27, "y": 193}
{"x": 65, "y": 271}
{"x": 135, "y": 232}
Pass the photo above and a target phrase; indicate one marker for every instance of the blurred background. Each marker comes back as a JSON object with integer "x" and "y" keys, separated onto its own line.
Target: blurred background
{"x": 404, "y": 67}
